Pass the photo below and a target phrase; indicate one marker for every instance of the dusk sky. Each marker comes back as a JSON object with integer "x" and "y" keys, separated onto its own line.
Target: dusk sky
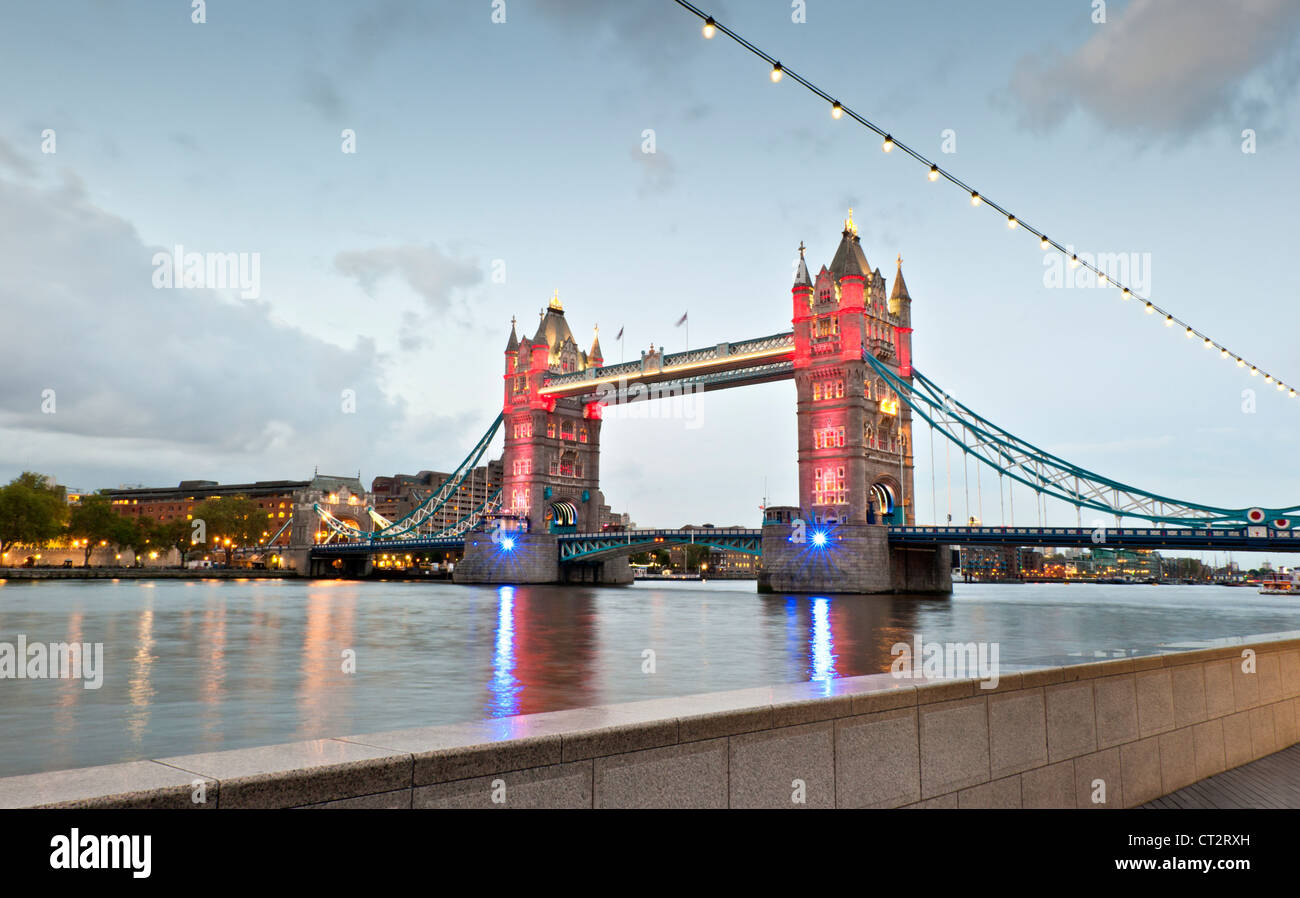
{"x": 517, "y": 147}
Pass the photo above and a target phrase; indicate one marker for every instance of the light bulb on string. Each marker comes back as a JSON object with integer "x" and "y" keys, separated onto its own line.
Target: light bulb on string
{"x": 934, "y": 172}
{"x": 1011, "y": 222}
{"x": 1045, "y": 243}
{"x": 974, "y": 198}
{"x": 777, "y": 71}
{"x": 888, "y": 144}
{"x": 836, "y": 109}
{"x": 1074, "y": 261}
{"x": 708, "y": 28}
{"x": 1169, "y": 321}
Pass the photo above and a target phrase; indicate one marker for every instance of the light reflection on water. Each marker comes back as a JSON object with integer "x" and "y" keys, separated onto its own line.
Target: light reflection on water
{"x": 204, "y": 665}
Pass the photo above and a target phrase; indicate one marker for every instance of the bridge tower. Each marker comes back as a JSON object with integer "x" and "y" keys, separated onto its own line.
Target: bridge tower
{"x": 551, "y": 464}
{"x": 855, "y": 446}
{"x": 552, "y": 447}
{"x": 854, "y": 436}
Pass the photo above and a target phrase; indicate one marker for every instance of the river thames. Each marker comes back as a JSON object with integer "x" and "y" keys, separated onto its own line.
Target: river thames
{"x": 202, "y": 665}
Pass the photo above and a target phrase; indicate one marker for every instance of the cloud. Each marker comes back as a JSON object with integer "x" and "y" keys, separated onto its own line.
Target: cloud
{"x": 425, "y": 269}
{"x": 322, "y": 94}
{"x": 657, "y": 170}
{"x": 1169, "y": 68}
{"x": 9, "y": 158}
{"x": 155, "y": 383}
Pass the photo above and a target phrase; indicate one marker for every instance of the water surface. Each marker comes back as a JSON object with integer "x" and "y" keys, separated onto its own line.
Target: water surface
{"x": 205, "y": 665}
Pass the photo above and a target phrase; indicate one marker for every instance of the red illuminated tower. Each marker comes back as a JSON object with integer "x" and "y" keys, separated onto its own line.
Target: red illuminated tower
{"x": 855, "y": 446}
{"x": 552, "y": 447}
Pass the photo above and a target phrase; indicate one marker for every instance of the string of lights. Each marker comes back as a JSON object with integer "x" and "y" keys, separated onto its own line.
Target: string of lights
{"x": 935, "y": 171}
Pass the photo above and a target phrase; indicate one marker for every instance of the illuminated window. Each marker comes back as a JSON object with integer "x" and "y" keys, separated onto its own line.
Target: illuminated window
{"x": 523, "y": 430}
{"x": 582, "y": 434}
{"x": 828, "y": 437}
{"x": 828, "y": 325}
{"x": 829, "y": 486}
{"x": 523, "y": 467}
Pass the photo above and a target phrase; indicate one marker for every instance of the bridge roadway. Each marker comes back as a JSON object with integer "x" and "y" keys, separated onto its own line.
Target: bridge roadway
{"x": 608, "y": 544}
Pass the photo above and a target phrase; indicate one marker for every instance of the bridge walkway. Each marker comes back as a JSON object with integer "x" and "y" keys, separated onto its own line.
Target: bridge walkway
{"x": 1270, "y": 782}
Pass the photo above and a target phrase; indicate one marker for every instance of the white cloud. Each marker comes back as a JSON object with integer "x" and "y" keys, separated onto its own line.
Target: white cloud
{"x": 1169, "y": 68}
{"x": 425, "y": 269}
{"x": 158, "y": 383}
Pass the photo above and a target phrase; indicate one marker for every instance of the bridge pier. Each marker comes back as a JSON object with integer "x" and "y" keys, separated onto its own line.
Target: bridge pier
{"x": 520, "y": 558}
{"x": 855, "y": 558}
{"x": 611, "y": 572}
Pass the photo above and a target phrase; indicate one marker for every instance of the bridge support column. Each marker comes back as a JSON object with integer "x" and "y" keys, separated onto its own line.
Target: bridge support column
{"x": 921, "y": 570}
{"x": 529, "y": 558}
{"x": 612, "y": 572}
{"x": 856, "y": 558}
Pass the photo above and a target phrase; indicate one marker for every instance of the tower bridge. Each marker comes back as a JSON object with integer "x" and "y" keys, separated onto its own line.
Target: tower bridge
{"x": 853, "y": 528}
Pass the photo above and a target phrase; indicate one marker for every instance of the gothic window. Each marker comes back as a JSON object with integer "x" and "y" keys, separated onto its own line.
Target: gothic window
{"x": 582, "y": 434}
{"x": 567, "y": 430}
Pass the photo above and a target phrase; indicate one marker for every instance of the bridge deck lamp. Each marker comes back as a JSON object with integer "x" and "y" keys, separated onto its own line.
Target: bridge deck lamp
{"x": 819, "y": 539}
{"x": 508, "y": 544}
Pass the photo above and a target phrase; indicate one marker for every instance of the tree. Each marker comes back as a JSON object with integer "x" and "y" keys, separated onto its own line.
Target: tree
{"x": 230, "y": 523}
{"x": 694, "y": 555}
{"x": 176, "y": 534}
{"x": 31, "y": 511}
{"x": 94, "y": 521}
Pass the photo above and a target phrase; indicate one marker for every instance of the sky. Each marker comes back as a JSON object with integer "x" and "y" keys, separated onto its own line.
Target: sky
{"x": 496, "y": 162}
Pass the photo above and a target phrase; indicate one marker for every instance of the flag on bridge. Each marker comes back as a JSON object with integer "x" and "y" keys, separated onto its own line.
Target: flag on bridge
{"x": 682, "y": 320}
{"x": 620, "y": 334}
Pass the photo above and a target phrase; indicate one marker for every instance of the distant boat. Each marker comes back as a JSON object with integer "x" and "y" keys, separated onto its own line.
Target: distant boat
{"x": 1280, "y": 583}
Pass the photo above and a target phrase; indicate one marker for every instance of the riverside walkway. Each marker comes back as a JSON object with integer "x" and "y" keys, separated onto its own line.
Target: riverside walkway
{"x": 1270, "y": 782}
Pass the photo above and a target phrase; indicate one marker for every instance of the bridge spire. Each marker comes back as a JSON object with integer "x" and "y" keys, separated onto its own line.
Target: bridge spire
{"x": 801, "y": 276}
{"x": 513, "y": 344}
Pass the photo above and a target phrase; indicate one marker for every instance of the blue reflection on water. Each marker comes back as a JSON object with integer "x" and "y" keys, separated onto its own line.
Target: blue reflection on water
{"x": 504, "y": 686}
{"x": 821, "y": 645}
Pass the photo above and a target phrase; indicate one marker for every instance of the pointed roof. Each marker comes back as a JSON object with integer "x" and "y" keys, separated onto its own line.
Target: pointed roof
{"x": 849, "y": 258}
{"x": 595, "y": 352}
{"x": 801, "y": 276}
{"x": 553, "y": 330}
{"x": 900, "y": 286}
{"x": 513, "y": 344}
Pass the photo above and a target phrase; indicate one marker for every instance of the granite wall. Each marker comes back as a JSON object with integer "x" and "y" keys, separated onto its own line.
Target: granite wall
{"x": 1101, "y": 735}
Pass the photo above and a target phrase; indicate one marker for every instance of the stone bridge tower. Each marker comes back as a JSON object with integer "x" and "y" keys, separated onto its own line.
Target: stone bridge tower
{"x": 855, "y": 435}
{"x": 855, "y": 439}
{"x": 552, "y": 447}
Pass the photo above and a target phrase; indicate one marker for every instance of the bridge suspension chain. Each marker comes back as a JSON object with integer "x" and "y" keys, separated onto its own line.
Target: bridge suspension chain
{"x": 1047, "y": 474}
{"x": 409, "y": 525}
